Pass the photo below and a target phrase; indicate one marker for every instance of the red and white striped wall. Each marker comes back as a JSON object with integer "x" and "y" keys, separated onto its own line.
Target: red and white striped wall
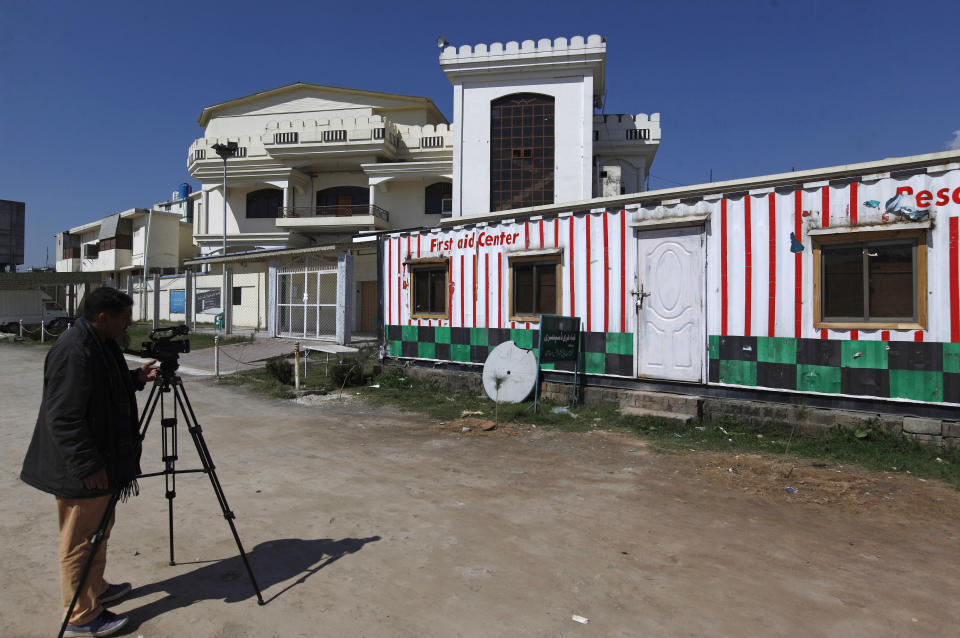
{"x": 597, "y": 271}
{"x": 758, "y": 287}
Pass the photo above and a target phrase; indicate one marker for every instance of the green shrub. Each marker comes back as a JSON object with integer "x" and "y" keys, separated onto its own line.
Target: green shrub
{"x": 281, "y": 369}
{"x": 346, "y": 373}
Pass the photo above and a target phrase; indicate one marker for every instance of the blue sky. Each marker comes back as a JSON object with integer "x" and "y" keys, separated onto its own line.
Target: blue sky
{"x": 99, "y": 100}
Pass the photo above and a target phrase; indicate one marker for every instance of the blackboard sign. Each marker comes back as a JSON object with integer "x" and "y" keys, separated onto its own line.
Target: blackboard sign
{"x": 207, "y": 300}
{"x": 559, "y": 338}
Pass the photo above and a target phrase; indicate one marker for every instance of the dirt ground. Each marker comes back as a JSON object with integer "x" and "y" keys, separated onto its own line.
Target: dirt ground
{"x": 364, "y": 521}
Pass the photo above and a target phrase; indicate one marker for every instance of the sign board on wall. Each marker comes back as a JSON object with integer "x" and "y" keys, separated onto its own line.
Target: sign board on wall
{"x": 559, "y": 338}
{"x": 208, "y": 299}
{"x": 178, "y": 301}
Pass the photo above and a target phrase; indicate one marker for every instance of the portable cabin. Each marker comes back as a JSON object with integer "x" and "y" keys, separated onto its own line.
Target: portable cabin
{"x": 838, "y": 283}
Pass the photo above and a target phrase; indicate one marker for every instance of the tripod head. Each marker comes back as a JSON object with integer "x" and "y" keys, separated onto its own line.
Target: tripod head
{"x": 165, "y": 346}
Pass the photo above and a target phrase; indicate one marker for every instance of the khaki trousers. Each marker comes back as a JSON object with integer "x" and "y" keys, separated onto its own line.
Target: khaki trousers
{"x": 79, "y": 519}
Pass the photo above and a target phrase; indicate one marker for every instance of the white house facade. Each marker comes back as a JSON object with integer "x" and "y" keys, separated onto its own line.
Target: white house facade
{"x": 311, "y": 167}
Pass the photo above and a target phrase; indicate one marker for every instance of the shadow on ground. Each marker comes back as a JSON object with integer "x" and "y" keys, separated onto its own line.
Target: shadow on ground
{"x": 272, "y": 562}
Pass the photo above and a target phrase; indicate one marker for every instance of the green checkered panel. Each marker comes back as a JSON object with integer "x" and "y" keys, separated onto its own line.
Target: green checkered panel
{"x": 609, "y": 353}
{"x": 921, "y": 371}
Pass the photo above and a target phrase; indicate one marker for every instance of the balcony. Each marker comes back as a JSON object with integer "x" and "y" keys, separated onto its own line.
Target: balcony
{"x": 333, "y": 218}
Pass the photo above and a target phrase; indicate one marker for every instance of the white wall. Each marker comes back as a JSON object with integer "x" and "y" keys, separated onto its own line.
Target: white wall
{"x": 573, "y": 130}
{"x": 405, "y": 201}
{"x": 250, "y": 314}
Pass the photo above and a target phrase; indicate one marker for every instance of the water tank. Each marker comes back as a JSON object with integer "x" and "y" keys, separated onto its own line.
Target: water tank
{"x": 184, "y": 191}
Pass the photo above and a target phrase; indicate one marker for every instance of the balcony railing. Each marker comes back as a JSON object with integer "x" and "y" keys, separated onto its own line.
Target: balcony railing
{"x": 334, "y": 211}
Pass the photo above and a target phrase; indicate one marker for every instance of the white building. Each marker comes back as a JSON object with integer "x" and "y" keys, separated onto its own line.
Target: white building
{"x": 316, "y": 167}
{"x": 117, "y": 245}
{"x": 526, "y": 129}
{"x": 122, "y": 247}
{"x": 315, "y": 163}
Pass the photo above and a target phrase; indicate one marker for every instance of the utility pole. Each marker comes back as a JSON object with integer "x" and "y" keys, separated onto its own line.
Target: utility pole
{"x": 224, "y": 151}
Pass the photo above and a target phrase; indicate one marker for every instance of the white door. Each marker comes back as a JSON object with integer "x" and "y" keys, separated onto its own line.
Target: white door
{"x": 669, "y": 301}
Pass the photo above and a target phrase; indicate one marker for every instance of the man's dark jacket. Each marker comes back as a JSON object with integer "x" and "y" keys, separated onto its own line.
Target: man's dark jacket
{"x": 88, "y": 417}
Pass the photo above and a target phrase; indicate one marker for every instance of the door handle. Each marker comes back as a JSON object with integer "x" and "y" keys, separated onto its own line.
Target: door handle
{"x": 643, "y": 295}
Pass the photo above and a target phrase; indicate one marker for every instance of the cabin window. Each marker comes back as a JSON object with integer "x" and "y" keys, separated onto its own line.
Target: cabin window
{"x": 429, "y": 286}
{"x": 870, "y": 280}
{"x": 534, "y": 287}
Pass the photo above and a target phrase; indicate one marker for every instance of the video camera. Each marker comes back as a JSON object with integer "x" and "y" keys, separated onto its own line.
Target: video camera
{"x": 165, "y": 347}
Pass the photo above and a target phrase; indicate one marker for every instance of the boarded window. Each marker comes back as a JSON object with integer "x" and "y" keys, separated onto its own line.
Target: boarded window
{"x": 264, "y": 203}
{"x": 437, "y": 198}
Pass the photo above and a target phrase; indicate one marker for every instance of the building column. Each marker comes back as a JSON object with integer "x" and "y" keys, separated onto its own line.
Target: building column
{"x": 204, "y": 225}
{"x": 271, "y": 298}
{"x": 344, "y": 297}
{"x": 156, "y": 300}
{"x": 188, "y": 317}
{"x": 227, "y": 301}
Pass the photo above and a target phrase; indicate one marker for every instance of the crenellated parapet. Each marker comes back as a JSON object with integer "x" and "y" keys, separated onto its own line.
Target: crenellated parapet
{"x": 577, "y": 55}
{"x": 545, "y": 47}
{"x": 426, "y": 137}
{"x": 202, "y": 148}
{"x": 626, "y": 128}
{"x": 329, "y": 130}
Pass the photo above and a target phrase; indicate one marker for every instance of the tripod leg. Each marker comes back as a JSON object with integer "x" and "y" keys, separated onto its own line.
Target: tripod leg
{"x": 95, "y": 541}
{"x": 169, "y": 427}
{"x": 149, "y": 407}
{"x": 180, "y": 396}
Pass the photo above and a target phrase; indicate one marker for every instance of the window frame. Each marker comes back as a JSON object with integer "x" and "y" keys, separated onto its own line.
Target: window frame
{"x": 865, "y": 239}
{"x": 554, "y": 257}
{"x": 429, "y": 264}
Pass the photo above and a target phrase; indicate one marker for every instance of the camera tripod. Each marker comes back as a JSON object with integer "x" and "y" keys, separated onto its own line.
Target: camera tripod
{"x": 167, "y": 381}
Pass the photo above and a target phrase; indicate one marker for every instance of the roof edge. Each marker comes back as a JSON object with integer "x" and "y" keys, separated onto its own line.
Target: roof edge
{"x": 207, "y": 113}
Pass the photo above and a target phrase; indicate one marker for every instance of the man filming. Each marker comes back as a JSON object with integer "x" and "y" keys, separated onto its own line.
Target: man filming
{"x": 86, "y": 447}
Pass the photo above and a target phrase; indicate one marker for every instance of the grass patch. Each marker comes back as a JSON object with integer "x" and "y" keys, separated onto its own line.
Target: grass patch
{"x": 138, "y": 333}
{"x": 869, "y": 446}
{"x": 261, "y": 382}
{"x": 333, "y": 376}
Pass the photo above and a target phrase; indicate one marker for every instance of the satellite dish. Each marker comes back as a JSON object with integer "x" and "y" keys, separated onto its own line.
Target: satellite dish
{"x": 510, "y": 373}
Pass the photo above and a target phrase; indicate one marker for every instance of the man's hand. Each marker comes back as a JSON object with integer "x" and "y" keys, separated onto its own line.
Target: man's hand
{"x": 97, "y": 480}
{"x": 146, "y": 372}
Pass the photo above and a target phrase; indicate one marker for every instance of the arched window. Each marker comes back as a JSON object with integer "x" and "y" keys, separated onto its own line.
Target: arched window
{"x": 343, "y": 200}
{"x": 521, "y": 151}
{"x": 437, "y": 198}
{"x": 264, "y": 203}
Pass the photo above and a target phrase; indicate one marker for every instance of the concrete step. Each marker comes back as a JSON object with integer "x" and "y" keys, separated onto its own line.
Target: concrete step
{"x": 644, "y": 413}
{"x": 681, "y": 404}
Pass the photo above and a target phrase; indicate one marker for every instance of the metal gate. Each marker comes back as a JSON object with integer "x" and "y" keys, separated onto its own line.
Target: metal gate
{"x": 307, "y": 299}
